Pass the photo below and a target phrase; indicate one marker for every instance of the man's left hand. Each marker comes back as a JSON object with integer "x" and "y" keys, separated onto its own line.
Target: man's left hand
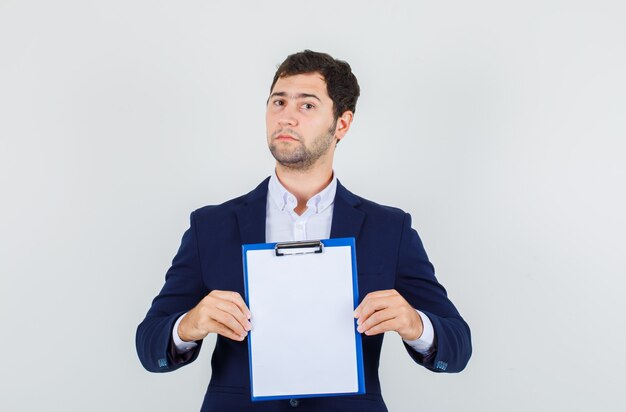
{"x": 387, "y": 310}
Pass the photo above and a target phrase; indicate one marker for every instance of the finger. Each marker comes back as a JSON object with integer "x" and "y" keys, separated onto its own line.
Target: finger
{"x": 220, "y": 329}
{"x": 377, "y": 318}
{"x": 235, "y": 311}
{"x": 235, "y": 298}
{"x": 232, "y": 298}
{"x": 367, "y": 308}
{"x": 382, "y": 327}
{"x": 230, "y": 322}
{"x": 373, "y": 296}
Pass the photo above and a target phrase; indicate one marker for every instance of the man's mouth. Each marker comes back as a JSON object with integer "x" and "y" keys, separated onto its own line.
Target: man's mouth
{"x": 285, "y": 137}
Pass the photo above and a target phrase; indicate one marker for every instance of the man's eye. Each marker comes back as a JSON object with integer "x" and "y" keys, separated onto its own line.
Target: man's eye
{"x": 307, "y": 106}
{"x": 278, "y": 103}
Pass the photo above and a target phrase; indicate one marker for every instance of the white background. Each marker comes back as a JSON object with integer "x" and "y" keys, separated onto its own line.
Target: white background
{"x": 498, "y": 125}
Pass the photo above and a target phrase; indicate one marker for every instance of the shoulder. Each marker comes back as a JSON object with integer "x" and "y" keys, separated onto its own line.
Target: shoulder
{"x": 229, "y": 207}
{"x": 370, "y": 207}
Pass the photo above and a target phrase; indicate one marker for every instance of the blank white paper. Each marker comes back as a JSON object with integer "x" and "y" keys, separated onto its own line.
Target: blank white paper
{"x": 303, "y": 338}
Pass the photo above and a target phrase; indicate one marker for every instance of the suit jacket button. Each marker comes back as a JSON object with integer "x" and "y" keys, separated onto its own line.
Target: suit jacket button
{"x": 294, "y": 402}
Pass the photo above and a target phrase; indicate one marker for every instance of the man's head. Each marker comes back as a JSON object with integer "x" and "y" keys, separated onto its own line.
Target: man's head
{"x": 310, "y": 108}
{"x": 341, "y": 84}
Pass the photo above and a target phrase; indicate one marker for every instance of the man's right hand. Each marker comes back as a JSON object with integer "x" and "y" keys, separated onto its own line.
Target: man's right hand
{"x": 220, "y": 311}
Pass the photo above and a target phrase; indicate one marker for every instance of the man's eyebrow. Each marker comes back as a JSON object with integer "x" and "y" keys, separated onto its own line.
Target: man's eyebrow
{"x": 297, "y": 96}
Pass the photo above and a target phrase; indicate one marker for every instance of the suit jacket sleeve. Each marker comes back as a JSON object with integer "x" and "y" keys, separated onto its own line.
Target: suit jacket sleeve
{"x": 416, "y": 282}
{"x": 182, "y": 291}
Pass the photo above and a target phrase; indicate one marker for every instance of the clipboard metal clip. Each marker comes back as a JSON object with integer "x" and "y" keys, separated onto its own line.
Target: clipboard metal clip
{"x": 299, "y": 248}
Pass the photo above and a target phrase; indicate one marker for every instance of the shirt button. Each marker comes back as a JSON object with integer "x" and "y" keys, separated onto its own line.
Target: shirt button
{"x": 294, "y": 403}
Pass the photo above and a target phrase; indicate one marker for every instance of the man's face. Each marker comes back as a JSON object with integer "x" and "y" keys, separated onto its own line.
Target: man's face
{"x": 300, "y": 121}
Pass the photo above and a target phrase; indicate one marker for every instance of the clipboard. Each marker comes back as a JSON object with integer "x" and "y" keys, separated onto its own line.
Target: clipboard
{"x": 303, "y": 341}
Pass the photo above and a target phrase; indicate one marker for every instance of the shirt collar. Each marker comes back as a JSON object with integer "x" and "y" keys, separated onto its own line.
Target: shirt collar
{"x": 286, "y": 201}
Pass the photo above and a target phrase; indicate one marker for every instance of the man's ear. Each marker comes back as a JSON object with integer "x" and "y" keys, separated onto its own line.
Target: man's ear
{"x": 343, "y": 124}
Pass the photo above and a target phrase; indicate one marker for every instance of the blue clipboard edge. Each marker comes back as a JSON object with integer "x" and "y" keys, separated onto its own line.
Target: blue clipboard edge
{"x": 346, "y": 241}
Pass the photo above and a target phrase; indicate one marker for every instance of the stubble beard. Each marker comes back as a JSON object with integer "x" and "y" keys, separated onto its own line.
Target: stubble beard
{"x": 301, "y": 157}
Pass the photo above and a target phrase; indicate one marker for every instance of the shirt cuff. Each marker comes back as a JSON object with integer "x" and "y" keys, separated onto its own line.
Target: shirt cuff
{"x": 180, "y": 345}
{"x": 424, "y": 343}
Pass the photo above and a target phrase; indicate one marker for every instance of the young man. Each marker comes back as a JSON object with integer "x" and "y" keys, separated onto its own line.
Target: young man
{"x": 310, "y": 109}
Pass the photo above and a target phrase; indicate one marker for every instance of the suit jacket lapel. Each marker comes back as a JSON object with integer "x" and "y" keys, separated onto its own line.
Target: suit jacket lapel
{"x": 251, "y": 215}
{"x": 347, "y": 219}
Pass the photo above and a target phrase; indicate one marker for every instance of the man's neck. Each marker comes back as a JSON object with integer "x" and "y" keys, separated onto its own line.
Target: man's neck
{"x": 304, "y": 184}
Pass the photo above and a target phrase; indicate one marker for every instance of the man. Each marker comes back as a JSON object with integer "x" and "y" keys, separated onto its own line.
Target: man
{"x": 309, "y": 111}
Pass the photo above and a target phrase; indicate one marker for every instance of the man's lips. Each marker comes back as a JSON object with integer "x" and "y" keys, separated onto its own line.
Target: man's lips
{"x": 285, "y": 137}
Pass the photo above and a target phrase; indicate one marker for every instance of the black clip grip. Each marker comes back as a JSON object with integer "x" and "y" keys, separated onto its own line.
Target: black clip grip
{"x": 299, "y": 248}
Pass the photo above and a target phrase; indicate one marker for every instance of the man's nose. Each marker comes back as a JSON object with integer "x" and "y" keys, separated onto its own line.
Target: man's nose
{"x": 288, "y": 117}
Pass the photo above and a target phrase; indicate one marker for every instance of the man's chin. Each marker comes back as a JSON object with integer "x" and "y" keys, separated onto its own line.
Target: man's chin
{"x": 287, "y": 157}
{"x": 292, "y": 163}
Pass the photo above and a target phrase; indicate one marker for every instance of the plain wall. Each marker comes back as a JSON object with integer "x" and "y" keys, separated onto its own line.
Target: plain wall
{"x": 499, "y": 126}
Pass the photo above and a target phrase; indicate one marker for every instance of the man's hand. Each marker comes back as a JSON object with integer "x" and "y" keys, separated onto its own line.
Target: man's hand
{"x": 386, "y": 310}
{"x": 221, "y": 312}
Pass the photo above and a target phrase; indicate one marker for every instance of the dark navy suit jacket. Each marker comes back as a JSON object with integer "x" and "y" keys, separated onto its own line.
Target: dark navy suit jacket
{"x": 390, "y": 255}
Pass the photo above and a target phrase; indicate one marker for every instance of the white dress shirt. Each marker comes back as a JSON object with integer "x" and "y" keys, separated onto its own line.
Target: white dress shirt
{"x": 283, "y": 224}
